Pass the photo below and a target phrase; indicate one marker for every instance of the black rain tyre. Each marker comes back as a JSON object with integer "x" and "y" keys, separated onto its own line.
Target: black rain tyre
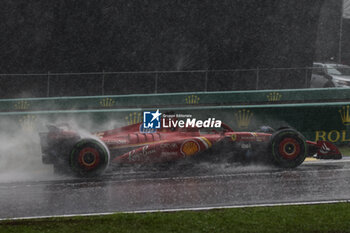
{"x": 88, "y": 158}
{"x": 288, "y": 148}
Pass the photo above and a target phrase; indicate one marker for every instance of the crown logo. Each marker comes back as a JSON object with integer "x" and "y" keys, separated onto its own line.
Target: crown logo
{"x": 274, "y": 96}
{"x": 22, "y": 105}
{"x": 27, "y": 122}
{"x": 107, "y": 102}
{"x": 192, "y": 99}
{"x": 133, "y": 118}
{"x": 344, "y": 114}
{"x": 243, "y": 118}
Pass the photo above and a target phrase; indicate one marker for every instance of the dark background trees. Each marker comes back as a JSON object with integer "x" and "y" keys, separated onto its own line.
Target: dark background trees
{"x": 149, "y": 35}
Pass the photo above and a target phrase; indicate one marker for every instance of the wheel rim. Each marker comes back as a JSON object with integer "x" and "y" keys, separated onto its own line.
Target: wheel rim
{"x": 89, "y": 157}
{"x": 289, "y": 148}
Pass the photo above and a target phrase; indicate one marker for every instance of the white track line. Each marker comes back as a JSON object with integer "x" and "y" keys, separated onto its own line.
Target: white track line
{"x": 180, "y": 209}
{"x": 327, "y": 161}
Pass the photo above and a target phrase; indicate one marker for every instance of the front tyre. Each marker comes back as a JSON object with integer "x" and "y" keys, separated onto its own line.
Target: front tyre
{"x": 89, "y": 157}
{"x": 288, "y": 148}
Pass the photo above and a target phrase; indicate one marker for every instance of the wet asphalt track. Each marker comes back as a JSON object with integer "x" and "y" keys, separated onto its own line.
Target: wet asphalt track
{"x": 200, "y": 186}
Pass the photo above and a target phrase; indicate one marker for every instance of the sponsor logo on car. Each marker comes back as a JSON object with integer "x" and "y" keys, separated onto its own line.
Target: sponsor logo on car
{"x": 168, "y": 153}
{"x": 118, "y": 142}
{"x": 168, "y": 146}
{"x": 141, "y": 155}
{"x": 189, "y": 148}
{"x": 234, "y": 137}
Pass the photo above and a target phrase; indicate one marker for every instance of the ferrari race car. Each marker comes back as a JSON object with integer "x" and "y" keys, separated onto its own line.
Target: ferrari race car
{"x": 69, "y": 152}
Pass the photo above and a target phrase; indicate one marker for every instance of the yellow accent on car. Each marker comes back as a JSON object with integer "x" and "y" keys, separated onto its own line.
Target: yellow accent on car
{"x": 190, "y": 148}
{"x": 310, "y": 159}
{"x": 234, "y": 137}
{"x": 207, "y": 141}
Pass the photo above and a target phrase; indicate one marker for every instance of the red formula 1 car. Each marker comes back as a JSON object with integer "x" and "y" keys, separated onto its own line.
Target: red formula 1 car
{"x": 90, "y": 156}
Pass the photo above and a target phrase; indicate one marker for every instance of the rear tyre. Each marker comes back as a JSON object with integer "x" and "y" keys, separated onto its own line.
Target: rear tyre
{"x": 288, "y": 148}
{"x": 88, "y": 158}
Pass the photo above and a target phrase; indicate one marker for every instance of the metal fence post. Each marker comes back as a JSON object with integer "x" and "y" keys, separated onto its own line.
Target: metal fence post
{"x": 257, "y": 79}
{"x": 48, "y": 84}
{"x": 103, "y": 83}
{"x": 156, "y": 83}
{"x": 206, "y": 81}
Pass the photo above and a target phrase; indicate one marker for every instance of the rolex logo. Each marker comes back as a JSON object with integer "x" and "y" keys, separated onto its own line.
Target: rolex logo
{"x": 192, "y": 99}
{"x": 344, "y": 114}
{"x": 133, "y": 118}
{"x": 107, "y": 102}
{"x": 27, "y": 122}
{"x": 22, "y": 105}
{"x": 274, "y": 96}
{"x": 243, "y": 118}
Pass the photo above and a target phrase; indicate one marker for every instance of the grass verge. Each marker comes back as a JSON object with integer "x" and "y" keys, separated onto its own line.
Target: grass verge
{"x": 304, "y": 218}
{"x": 345, "y": 150}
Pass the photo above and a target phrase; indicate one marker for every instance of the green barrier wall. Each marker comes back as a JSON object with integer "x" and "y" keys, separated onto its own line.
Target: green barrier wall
{"x": 326, "y": 121}
{"x": 178, "y": 99}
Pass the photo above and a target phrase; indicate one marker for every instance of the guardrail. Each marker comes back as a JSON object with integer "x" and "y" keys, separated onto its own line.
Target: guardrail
{"x": 178, "y": 99}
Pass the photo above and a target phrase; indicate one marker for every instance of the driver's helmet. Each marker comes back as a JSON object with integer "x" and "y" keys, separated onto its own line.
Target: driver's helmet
{"x": 265, "y": 129}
